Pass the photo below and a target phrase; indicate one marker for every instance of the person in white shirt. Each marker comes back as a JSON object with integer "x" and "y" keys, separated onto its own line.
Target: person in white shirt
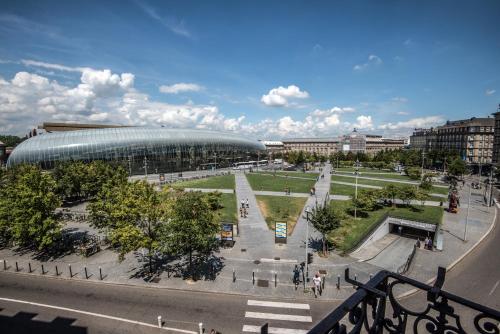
{"x": 316, "y": 285}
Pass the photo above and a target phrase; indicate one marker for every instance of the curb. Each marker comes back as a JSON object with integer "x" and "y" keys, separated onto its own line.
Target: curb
{"x": 454, "y": 263}
{"x": 227, "y": 293}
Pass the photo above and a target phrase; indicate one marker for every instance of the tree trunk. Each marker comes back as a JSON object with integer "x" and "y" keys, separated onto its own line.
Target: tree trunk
{"x": 324, "y": 245}
{"x": 191, "y": 263}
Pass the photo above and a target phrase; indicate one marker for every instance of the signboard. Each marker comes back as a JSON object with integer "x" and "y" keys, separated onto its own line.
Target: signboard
{"x": 414, "y": 224}
{"x": 226, "y": 233}
{"x": 280, "y": 232}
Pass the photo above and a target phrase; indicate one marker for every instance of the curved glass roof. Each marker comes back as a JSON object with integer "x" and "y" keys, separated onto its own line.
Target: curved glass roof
{"x": 96, "y": 144}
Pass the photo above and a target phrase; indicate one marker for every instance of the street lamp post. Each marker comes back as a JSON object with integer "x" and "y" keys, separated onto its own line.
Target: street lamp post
{"x": 422, "y": 171}
{"x": 356, "y": 190}
{"x": 467, "y": 215}
{"x": 308, "y": 211}
{"x": 146, "y": 167}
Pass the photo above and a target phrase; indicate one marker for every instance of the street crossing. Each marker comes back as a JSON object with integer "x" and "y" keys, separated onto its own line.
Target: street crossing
{"x": 282, "y": 317}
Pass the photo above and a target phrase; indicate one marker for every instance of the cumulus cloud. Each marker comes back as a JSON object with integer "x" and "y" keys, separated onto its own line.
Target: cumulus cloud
{"x": 180, "y": 88}
{"x": 490, "y": 92}
{"x": 373, "y": 60}
{"x": 420, "y": 122}
{"x": 364, "y": 122}
{"x": 334, "y": 110}
{"x": 279, "y": 97}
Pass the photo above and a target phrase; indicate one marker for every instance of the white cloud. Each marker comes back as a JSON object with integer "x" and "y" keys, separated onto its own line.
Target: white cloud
{"x": 364, "y": 122}
{"x": 180, "y": 87}
{"x": 373, "y": 60}
{"x": 174, "y": 25}
{"x": 58, "y": 67}
{"x": 334, "y": 110}
{"x": 403, "y": 113}
{"x": 278, "y": 97}
{"x": 399, "y": 99}
{"x": 490, "y": 92}
{"x": 420, "y": 122}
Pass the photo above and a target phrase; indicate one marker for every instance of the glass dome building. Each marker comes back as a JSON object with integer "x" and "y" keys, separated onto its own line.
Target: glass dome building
{"x": 161, "y": 149}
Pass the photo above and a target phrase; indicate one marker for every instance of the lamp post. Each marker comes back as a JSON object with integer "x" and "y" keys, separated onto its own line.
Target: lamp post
{"x": 308, "y": 211}
{"x": 215, "y": 167}
{"x": 422, "y": 171}
{"x": 146, "y": 168}
{"x": 467, "y": 215}
{"x": 356, "y": 190}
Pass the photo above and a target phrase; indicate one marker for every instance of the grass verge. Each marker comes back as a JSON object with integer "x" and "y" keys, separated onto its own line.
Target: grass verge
{"x": 281, "y": 208}
{"x": 275, "y": 183}
{"x": 213, "y": 182}
{"x": 228, "y": 212}
{"x": 290, "y": 173}
{"x": 351, "y": 231}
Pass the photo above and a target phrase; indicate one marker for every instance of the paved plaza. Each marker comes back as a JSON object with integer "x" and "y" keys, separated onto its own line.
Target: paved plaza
{"x": 257, "y": 266}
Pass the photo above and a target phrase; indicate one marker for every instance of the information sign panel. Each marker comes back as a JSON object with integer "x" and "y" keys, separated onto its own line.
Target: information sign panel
{"x": 280, "y": 232}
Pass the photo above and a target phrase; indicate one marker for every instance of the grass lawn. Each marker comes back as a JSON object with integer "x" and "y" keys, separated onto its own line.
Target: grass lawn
{"x": 381, "y": 175}
{"x": 281, "y": 208}
{"x": 436, "y": 190}
{"x": 291, "y": 173}
{"x": 362, "y": 170}
{"x": 228, "y": 212}
{"x": 275, "y": 183}
{"x": 351, "y": 231}
{"x": 213, "y": 182}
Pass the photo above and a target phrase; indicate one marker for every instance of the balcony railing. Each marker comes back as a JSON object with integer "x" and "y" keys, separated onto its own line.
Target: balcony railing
{"x": 374, "y": 308}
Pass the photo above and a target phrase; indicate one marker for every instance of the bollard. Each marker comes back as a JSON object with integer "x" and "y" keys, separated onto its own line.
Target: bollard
{"x": 234, "y": 276}
{"x": 338, "y": 282}
{"x": 253, "y": 277}
{"x": 29, "y": 267}
{"x": 43, "y": 270}
{"x": 70, "y": 271}
{"x": 371, "y": 276}
{"x": 323, "y": 282}
{"x": 57, "y": 271}
{"x": 200, "y": 325}
{"x": 17, "y": 267}
{"x": 275, "y": 279}
{"x": 159, "y": 321}
{"x": 86, "y": 275}
{"x": 355, "y": 278}
{"x": 4, "y": 264}
{"x": 100, "y": 273}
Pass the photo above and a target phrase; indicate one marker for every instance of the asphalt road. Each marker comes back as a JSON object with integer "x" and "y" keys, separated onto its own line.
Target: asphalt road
{"x": 179, "y": 309}
{"x": 476, "y": 277}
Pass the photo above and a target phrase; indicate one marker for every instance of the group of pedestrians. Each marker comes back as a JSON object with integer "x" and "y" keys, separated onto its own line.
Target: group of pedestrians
{"x": 317, "y": 280}
{"x": 243, "y": 208}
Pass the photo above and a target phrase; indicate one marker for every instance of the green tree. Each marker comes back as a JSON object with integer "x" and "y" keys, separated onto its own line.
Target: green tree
{"x": 11, "y": 141}
{"x": 407, "y": 193}
{"x": 71, "y": 178}
{"x": 27, "y": 207}
{"x": 326, "y": 218}
{"x": 457, "y": 167}
{"x": 413, "y": 172}
{"x": 132, "y": 215}
{"x": 367, "y": 199}
{"x": 421, "y": 195}
{"x": 192, "y": 228}
{"x": 391, "y": 191}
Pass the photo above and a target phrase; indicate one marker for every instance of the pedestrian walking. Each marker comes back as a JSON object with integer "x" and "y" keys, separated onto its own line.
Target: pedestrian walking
{"x": 242, "y": 203}
{"x": 241, "y": 212}
{"x": 245, "y": 212}
{"x": 316, "y": 285}
{"x": 296, "y": 276}
{"x": 248, "y": 205}
{"x": 426, "y": 242}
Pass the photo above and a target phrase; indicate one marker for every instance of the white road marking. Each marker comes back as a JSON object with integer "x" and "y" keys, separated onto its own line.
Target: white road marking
{"x": 278, "y": 304}
{"x": 276, "y": 316}
{"x": 96, "y": 315}
{"x": 278, "y": 261}
{"x": 274, "y": 330}
{"x": 494, "y": 288}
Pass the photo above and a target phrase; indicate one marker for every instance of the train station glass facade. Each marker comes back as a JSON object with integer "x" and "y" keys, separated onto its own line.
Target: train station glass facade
{"x": 160, "y": 150}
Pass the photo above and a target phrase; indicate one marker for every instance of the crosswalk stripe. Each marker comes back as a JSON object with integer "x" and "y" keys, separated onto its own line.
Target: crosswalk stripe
{"x": 278, "y": 304}
{"x": 273, "y": 330}
{"x": 276, "y": 316}
{"x": 263, "y": 260}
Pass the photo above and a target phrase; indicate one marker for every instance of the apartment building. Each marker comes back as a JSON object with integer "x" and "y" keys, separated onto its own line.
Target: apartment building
{"x": 423, "y": 139}
{"x": 473, "y": 138}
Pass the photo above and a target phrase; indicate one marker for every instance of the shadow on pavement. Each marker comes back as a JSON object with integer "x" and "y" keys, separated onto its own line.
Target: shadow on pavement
{"x": 23, "y": 322}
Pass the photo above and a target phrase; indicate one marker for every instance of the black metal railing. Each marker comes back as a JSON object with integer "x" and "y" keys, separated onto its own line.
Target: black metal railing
{"x": 374, "y": 308}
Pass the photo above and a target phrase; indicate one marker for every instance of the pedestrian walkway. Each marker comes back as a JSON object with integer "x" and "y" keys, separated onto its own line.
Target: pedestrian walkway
{"x": 395, "y": 255}
{"x": 281, "y": 317}
{"x": 210, "y": 190}
{"x": 298, "y": 237}
{"x": 388, "y": 180}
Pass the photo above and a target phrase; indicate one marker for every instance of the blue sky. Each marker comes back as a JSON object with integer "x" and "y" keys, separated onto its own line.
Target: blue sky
{"x": 269, "y": 69}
